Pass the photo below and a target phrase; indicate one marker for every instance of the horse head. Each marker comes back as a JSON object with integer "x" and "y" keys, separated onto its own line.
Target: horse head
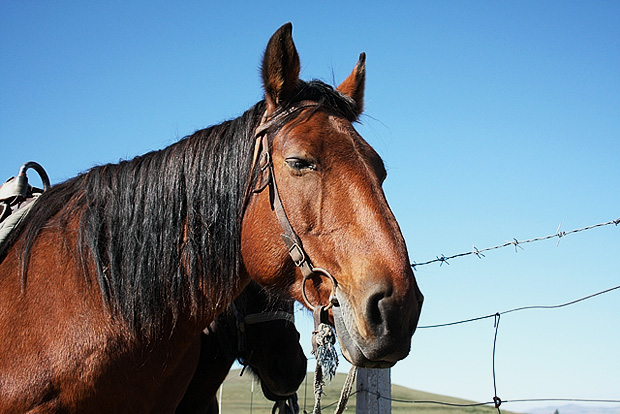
{"x": 268, "y": 342}
{"x": 322, "y": 178}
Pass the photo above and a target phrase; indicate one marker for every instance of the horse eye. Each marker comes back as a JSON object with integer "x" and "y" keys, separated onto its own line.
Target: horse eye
{"x": 300, "y": 164}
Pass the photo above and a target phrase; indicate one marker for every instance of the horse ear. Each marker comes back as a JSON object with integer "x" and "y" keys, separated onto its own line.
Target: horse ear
{"x": 280, "y": 68}
{"x": 353, "y": 86}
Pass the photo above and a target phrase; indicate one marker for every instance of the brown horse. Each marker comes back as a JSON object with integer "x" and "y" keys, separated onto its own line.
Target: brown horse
{"x": 108, "y": 283}
{"x": 257, "y": 330}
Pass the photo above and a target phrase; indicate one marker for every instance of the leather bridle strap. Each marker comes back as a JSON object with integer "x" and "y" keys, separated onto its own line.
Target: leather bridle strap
{"x": 268, "y": 316}
{"x": 262, "y": 155}
{"x": 265, "y": 316}
{"x": 289, "y": 236}
{"x": 295, "y": 247}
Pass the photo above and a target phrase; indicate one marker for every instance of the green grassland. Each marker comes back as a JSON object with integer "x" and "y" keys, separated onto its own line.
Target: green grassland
{"x": 238, "y": 398}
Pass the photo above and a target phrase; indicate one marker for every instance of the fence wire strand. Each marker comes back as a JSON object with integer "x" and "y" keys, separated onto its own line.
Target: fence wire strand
{"x": 514, "y": 242}
{"x": 490, "y": 403}
{"x": 522, "y": 308}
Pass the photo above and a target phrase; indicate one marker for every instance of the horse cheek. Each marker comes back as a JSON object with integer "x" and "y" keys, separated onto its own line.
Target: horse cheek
{"x": 261, "y": 248}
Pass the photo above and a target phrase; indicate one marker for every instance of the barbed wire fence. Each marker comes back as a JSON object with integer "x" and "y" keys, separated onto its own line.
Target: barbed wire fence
{"x": 496, "y": 401}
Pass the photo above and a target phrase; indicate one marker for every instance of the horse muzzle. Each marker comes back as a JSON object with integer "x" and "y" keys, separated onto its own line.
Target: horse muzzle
{"x": 388, "y": 325}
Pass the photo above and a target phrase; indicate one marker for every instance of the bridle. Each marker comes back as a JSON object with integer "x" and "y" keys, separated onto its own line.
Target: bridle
{"x": 245, "y": 352}
{"x": 290, "y": 238}
{"x": 242, "y": 321}
{"x": 296, "y": 250}
{"x": 298, "y": 254}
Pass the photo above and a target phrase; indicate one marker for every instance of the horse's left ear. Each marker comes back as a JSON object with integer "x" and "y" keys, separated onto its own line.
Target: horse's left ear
{"x": 353, "y": 86}
{"x": 280, "y": 68}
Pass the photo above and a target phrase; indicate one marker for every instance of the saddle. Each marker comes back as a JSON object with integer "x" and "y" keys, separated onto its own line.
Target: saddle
{"x": 17, "y": 198}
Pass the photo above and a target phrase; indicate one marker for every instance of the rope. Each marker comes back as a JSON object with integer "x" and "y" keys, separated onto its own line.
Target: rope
{"x": 346, "y": 391}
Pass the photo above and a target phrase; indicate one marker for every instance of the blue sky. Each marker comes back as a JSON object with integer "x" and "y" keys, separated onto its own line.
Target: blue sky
{"x": 496, "y": 120}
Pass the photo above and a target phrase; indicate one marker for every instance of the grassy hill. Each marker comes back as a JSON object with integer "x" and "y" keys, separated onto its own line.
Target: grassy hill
{"x": 238, "y": 398}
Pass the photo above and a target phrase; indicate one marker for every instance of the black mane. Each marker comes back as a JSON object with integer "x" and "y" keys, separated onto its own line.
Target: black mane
{"x": 166, "y": 225}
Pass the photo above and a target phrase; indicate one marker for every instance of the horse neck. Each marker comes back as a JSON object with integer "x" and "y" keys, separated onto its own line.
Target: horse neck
{"x": 162, "y": 231}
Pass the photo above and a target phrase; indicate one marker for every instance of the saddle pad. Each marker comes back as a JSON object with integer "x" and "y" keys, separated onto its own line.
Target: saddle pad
{"x": 14, "y": 219}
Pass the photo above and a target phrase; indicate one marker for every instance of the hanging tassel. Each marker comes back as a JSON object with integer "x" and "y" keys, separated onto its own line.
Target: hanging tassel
{"x": 323, "y": 349}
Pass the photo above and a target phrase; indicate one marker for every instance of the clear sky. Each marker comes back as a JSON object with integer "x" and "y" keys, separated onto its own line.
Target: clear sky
{"x": 496, "y": 120}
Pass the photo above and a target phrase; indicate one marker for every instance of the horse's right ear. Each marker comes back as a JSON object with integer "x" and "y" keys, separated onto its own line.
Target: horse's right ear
{"x": 353, "y": 86}
{"x": 280, "y": 68}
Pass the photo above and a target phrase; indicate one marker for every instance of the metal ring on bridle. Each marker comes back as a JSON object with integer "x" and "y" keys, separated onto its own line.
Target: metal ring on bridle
{"x": 318, "y": 270}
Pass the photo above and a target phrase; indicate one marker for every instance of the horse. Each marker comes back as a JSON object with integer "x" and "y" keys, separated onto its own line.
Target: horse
{"x": 108, "y": 282}
{"x": 258, "y": 330}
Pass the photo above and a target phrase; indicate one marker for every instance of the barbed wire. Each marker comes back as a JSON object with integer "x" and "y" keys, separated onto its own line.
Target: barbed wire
{"x": 514, "y": 242}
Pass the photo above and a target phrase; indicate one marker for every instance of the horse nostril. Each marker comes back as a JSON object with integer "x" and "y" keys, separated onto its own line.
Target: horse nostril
{"x": 373, "y": 312}
{"x": 377, "y": 305}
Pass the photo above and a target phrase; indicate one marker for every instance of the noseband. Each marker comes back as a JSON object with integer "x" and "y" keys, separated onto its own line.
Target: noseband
{"x": 241, "y": 321}
{"x": 290, "y": 238}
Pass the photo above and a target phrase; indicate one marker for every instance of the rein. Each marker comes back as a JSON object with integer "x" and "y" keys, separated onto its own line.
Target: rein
{"x": 323, "y": 337}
